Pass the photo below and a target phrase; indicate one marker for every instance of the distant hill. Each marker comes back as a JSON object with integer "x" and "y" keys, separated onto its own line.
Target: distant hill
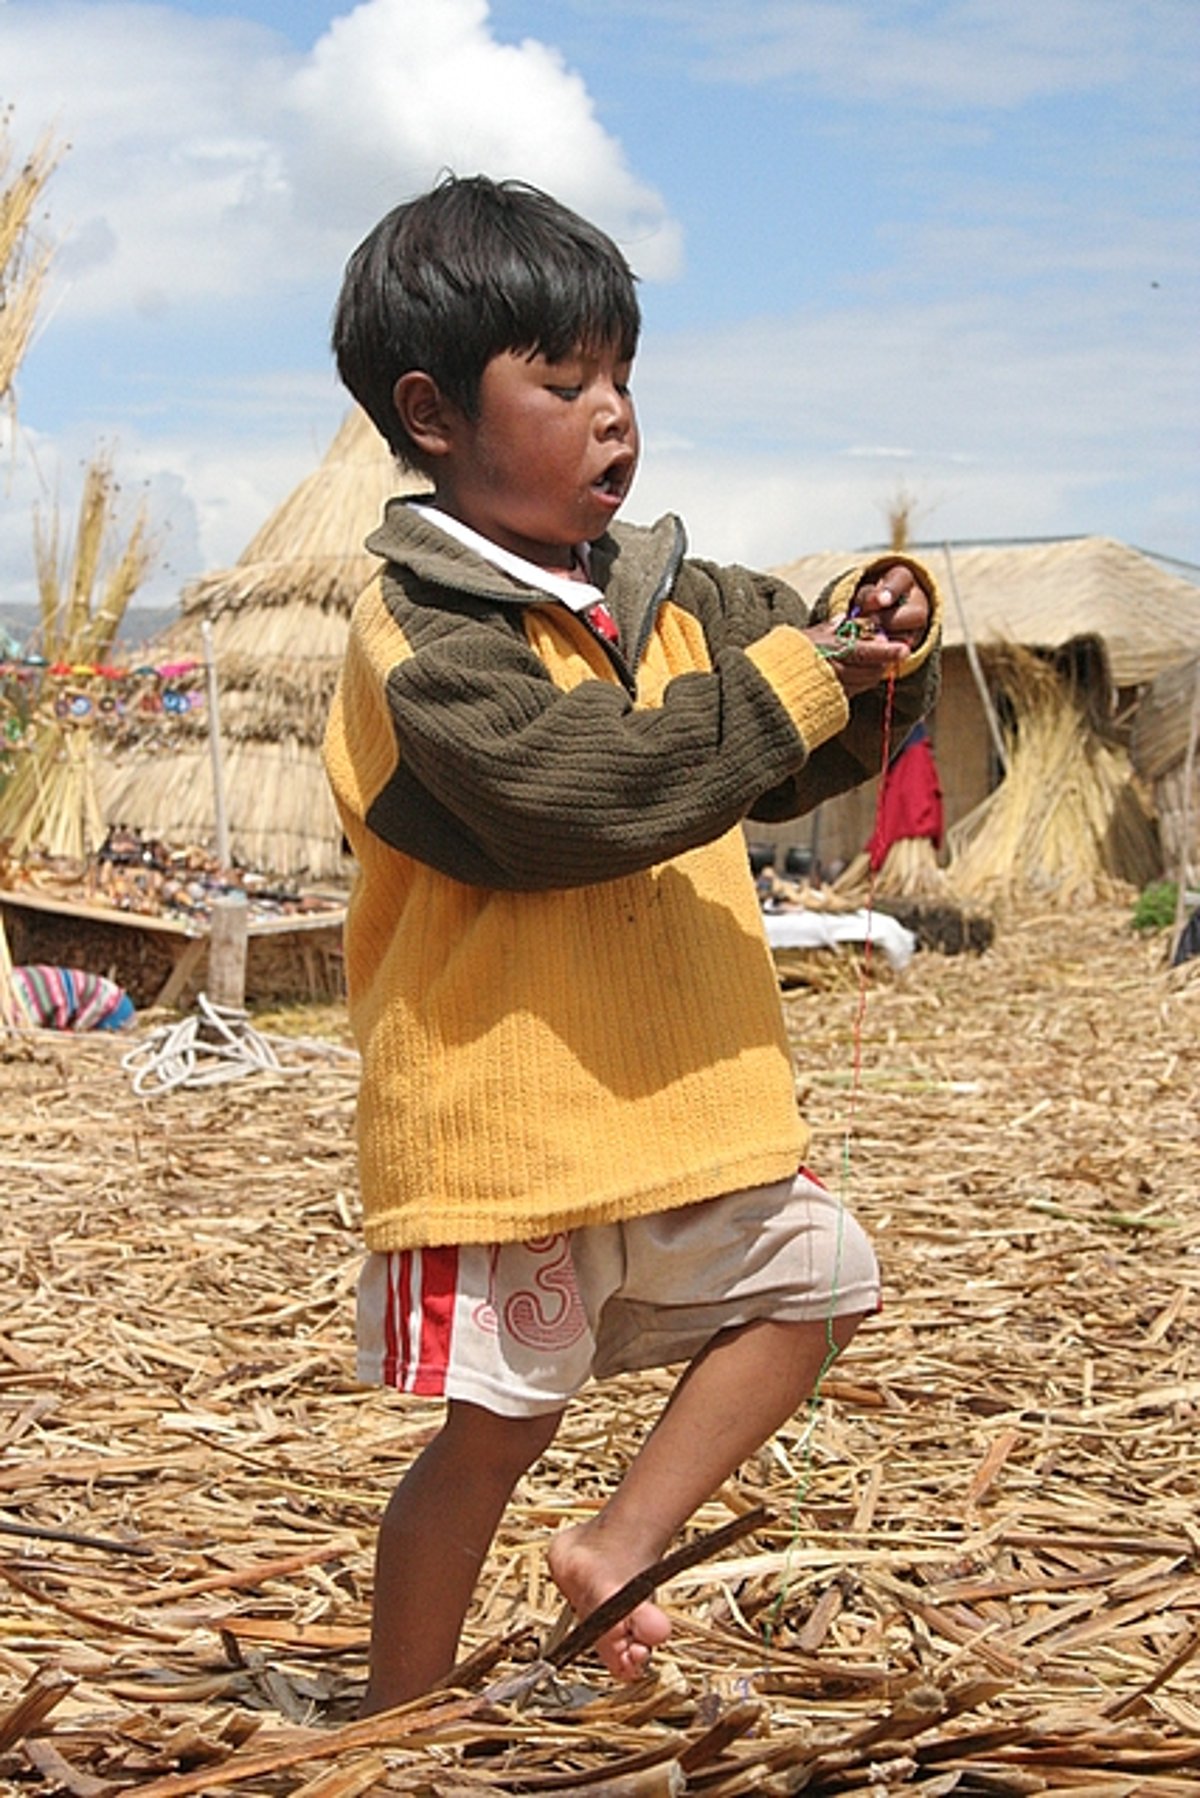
{"x": 19, "y": 624}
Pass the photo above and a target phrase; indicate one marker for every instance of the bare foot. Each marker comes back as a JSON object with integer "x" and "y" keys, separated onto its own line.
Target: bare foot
{"x": 586, "y": 1574}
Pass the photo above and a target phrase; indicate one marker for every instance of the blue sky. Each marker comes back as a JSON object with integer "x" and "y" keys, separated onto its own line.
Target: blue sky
{"x": 942, "y": 248}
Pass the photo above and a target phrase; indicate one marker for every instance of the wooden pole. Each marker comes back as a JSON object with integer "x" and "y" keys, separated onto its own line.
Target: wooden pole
{"x": 8, "y": 1002}
{"x": 1185, "y": 823}
{"x": 989, "y": 710}
{"x": 227, "y": 941}
{"x": 220, "y": 814}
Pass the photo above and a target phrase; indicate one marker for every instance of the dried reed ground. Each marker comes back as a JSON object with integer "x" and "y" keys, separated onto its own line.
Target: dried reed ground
{"x": 983, "y": 1574}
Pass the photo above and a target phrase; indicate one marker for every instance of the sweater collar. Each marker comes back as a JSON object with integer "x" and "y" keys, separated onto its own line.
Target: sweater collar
{"x": 579, "y": 595}
{"x": 630, "y": 564}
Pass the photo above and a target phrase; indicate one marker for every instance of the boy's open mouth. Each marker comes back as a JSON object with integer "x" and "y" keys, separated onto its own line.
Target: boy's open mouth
{"x": 614, "y": 482}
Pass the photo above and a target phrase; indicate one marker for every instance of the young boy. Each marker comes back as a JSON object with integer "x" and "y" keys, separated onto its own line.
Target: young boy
{"x": 577, "y": 1131}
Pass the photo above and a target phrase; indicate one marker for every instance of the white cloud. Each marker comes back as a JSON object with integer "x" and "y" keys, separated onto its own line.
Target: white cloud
{"x": 207, "y": 161}
{"x": 787, "y": 434}
{"x": 1057, "y": 372}
{"x": 152, "y": 195}
{"x": 765, "y": 511}
{"x": 213, "y": 182}
{"x": 434, "y": 90}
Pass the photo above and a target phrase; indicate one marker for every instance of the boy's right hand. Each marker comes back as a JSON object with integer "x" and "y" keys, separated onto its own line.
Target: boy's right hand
{"x": 889, "y": 616}
{"x": 860, "y": 662}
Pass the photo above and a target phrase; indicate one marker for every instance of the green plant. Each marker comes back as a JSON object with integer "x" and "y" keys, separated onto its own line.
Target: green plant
{"x": 1155, "y": 908}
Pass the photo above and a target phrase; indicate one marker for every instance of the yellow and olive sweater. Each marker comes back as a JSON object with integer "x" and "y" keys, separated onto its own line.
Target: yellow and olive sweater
{"x": 557, "y": 972}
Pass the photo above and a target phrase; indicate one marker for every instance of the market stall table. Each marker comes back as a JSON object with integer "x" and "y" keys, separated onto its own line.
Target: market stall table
{"x": 159, "y": 959}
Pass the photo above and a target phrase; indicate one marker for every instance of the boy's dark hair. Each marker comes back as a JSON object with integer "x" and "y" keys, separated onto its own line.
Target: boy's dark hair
{"x": 465, "y": 272}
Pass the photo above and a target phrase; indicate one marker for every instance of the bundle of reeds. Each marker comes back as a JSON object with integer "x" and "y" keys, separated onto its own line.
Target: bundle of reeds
{"x": 50, "y": 802}
{"x": 1067, "y": 824}
{"x": 24, "y": 257}
{"x": 913, "y": 887}
{"x": 911, "y": 869}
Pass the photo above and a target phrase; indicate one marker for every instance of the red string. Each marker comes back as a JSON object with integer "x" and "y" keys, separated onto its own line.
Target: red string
{"x": 889, "y": 706}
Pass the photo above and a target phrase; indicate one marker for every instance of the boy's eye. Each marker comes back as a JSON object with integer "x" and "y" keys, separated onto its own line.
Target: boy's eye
{"x": 567, "y": 393}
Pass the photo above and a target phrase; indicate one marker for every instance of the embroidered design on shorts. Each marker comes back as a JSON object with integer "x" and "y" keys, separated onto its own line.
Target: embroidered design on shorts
{"x": 546, "y": 1313}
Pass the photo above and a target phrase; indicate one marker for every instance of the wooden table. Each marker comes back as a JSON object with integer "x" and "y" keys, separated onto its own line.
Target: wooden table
{"x": 182, "y": 944}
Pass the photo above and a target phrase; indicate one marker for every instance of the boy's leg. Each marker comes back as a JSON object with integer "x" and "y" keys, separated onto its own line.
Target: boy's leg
{"x": 736, "y": 1393}
{"x": 435, "y": 1533}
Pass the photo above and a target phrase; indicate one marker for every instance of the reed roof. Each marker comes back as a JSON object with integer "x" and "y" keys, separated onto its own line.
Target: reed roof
{"x": 310, "y": 550}
{"x": 1046, "y": 594}
{"x": 279, "y": 618}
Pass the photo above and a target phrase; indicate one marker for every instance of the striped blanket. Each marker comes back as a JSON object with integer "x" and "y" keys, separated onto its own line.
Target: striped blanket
{"x": 67, "y": 999}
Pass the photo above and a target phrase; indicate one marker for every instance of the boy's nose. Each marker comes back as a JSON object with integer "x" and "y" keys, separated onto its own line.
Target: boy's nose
{"x": 616, "y": 413}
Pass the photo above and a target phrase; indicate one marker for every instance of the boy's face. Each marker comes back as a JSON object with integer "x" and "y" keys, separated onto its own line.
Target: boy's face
{"x": 549, "y": 459}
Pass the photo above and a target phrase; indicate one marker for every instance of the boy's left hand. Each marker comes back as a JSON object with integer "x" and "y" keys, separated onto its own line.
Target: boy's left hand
{"x": 896, "y": 604}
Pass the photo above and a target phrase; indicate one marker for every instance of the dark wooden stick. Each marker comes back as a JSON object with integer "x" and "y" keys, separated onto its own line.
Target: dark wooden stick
{"x": 36, "y": 1533}
{"x": 643, "y": 1585}
{"x": 1121, "y": 1706}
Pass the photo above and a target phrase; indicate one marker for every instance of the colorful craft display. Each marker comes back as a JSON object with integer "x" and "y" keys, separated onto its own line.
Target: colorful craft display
{"x": 92, "y": 695}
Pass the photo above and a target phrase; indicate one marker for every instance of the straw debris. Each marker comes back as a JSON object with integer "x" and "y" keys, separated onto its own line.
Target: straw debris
{"x": 979, "y": 1565}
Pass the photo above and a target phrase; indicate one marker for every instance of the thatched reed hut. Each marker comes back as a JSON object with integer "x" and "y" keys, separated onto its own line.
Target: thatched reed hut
{"x": 1112, "y": 617}
{"x": 278, "y": 622}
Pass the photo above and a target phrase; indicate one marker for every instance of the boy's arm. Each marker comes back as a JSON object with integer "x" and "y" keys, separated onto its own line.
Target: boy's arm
{"x": 749, "y": 607}
{"x": 450, "y": 742}
{"x": 454, "y": 746}
{"x": 856, "y": 753}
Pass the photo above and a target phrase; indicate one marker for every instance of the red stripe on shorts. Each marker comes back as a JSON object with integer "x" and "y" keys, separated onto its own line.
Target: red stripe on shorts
{"x": 439, "y": 1280}
{"x": 421, "y": 1291}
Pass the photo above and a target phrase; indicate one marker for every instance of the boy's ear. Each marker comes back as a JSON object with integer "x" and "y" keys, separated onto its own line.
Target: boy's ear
{"x": 424, "y": 412}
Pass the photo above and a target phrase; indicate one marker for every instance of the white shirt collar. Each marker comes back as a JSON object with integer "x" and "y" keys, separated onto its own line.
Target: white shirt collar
{"x": 579, "y": 595}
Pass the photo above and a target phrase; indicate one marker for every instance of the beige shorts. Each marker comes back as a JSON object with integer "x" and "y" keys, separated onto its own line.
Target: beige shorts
{"x": 520, "y": 1327}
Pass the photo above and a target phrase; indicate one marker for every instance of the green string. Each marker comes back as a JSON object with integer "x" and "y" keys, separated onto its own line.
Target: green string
{"x": 851, "y": 631}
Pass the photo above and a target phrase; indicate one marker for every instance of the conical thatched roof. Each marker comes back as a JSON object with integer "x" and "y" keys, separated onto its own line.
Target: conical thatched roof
{"x": 279, "y": 619}
{"x": 1044, "y": 595}
{"x": 310, "y": 550}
